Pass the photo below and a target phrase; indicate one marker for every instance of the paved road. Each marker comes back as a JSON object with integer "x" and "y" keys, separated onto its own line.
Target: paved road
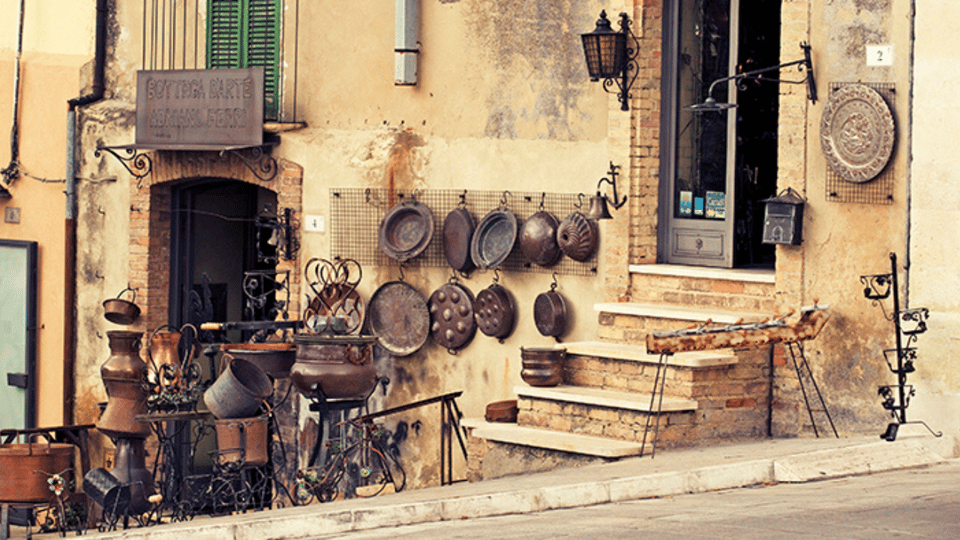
{"x": 923, "y": 503}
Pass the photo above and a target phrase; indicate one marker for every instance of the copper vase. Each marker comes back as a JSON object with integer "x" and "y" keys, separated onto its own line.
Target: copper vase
{"x": 164, "y": 352}
{"x": 123, "y": 374}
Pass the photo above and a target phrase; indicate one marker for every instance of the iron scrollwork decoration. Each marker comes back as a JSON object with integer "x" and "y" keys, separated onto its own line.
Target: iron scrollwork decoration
{"x": 896, "y": 397}
{"x": 877, "y": 286}
{"x": 136, "y": 163}
{"x": 336, "y": 306}
{"x": 257, "y": 160}
{"x": 277, "y": 230}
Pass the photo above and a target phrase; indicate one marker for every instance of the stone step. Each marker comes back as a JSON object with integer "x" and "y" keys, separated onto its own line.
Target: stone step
{"x": 595, "y": 397}
{"x": 678, "y": 313}
{"x": 637, "y": 353}
{"x": 552, "y": 440}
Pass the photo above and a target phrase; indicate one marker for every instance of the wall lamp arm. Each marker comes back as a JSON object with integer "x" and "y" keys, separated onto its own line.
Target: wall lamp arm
{"x": 805, "y": 64}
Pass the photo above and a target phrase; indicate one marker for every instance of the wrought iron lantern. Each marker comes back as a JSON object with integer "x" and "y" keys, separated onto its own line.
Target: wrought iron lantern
{"x": 609, "y": 56}
{"x": 783, "y": 219}
{"x": 598, "y": 203}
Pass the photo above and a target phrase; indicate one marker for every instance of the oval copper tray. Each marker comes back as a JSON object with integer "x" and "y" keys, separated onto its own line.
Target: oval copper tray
{"x": 458, "y": 229}
{"x": 494, "y": 238}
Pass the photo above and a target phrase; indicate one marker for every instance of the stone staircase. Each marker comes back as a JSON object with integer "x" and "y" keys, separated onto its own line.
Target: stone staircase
{"x": 600, "y": 412}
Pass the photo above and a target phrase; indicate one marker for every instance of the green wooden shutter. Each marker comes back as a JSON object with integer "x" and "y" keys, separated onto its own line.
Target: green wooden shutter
{"x": 246, "y": 33}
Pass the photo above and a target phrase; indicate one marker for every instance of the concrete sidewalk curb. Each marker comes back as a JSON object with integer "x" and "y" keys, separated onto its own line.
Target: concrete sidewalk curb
{"x": 435, "y": 504}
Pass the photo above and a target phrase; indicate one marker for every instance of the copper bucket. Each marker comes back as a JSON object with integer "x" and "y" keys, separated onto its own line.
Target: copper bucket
{"x": 242, "y": 440}
{"x": 120, "y": 311}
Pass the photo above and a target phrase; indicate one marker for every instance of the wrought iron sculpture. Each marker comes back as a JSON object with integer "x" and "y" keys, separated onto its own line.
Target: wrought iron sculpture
{"x": 907, "y": 322}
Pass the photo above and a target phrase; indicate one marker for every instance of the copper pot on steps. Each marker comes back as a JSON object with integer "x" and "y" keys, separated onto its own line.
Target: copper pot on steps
{"x": 542, "y": 367}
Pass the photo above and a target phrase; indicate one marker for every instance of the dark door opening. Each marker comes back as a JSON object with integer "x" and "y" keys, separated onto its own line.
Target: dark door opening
{"x": 757, "y": 119}
{"x": 214, "y": 241}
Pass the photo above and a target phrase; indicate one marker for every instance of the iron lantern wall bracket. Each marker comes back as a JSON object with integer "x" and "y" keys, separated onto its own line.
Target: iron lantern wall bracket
{"x": 611, "y": 57}
{"x": 805, "y": 64}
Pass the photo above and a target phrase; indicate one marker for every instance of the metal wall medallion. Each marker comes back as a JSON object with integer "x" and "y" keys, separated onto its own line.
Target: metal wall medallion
{"x": 857, "y": 133}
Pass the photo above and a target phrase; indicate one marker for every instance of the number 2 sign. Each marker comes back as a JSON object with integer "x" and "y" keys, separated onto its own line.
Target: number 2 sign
{"x": 879, "y": 55}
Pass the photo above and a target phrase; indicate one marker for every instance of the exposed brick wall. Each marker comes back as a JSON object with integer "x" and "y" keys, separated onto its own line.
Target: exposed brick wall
{"x": 732, "y": 400}
{"x": 149, "y": 264}
{"x": 792, "y": 157}
{"x": 645, "y": 149}
{"x": 703, "y": 292}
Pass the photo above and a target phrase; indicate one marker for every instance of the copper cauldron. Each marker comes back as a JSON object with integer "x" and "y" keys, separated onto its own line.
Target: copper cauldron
{"x": 334, "y": 367}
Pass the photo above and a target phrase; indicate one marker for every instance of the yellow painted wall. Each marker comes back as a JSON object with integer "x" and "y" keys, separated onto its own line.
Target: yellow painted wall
{"x": 57, "y": 41}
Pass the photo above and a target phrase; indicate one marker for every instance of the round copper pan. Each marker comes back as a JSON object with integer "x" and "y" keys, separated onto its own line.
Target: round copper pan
{"x": 398, "y": 316}
{"x": 494, "y": 238}
{"x": 458, "y": 229}
{"x": 550, "y": 314}
{"x": 406, "y": 230}
{"x": 496, "y": 311}
{"x": 502, "y": 411}
{"x": 538, "y": 238}
{"x": 578, "y": 236}
{"x": 452, "y": 318}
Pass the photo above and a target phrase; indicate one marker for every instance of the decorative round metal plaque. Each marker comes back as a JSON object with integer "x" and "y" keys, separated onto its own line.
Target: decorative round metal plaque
{"x": 857, "y": 133}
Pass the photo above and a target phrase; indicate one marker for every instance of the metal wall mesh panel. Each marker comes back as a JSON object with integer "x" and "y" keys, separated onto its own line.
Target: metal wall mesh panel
{"x": 356, "y": 213}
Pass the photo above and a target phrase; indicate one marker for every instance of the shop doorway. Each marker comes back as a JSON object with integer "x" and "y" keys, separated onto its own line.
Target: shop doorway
{"x": 214, "y": 243}
{"x": 717, "y": 167}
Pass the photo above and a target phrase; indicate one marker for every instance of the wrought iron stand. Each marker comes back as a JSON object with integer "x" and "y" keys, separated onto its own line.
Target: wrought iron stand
{"x": 907, "y": 322}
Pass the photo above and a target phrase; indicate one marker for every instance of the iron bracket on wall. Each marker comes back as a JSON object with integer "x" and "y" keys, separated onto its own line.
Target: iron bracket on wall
{"x": 257, "y": 160}
{"x": 136, "y": 163}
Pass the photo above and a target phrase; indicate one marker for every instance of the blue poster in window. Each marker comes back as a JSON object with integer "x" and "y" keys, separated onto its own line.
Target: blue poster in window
{"x": 698, "y": 206}
{"x": 716, "y": 202}
{"x": 686, "y": 203}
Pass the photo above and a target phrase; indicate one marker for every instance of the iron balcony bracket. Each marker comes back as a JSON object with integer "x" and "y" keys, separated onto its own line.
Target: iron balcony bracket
{"x": 257, "y": 159}
{"x": 136, "y": 163}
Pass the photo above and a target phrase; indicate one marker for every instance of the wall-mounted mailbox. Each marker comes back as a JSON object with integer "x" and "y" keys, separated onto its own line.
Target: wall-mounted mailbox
{"x": 783, "y": 219}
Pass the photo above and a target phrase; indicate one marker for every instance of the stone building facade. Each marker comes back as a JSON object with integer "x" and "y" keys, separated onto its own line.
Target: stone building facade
{"x": 502, "y": 103}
